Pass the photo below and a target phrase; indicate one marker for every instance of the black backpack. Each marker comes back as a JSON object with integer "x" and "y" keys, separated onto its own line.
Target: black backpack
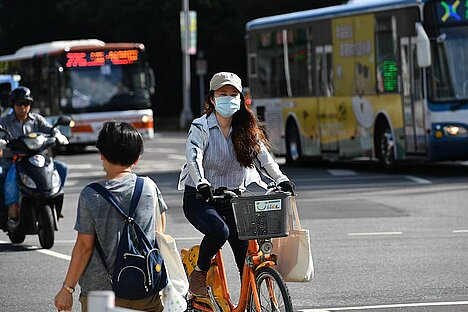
{"x": 139, "y": 269}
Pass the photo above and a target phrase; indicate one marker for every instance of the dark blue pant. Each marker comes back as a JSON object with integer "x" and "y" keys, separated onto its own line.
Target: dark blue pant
{"x": 216, "y": 221}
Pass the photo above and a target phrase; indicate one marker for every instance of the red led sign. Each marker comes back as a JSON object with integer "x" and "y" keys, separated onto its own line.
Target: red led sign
{"x": 99, "y": 58}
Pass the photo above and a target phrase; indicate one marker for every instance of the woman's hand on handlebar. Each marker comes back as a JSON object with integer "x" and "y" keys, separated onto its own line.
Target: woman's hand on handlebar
{"x": 287, "y": 186}
{"x": 206, "y": 191}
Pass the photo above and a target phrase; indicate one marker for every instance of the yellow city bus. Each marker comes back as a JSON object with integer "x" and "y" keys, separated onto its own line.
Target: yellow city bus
{"x": 385, "y": 80}
{"x": 90, "y": 80}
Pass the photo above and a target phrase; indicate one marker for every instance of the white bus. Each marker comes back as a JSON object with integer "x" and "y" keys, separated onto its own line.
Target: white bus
{"x": 90, "y": 80}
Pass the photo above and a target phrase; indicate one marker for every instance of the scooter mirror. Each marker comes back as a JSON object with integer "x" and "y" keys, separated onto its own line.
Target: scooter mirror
{"x": 63, "y": 121}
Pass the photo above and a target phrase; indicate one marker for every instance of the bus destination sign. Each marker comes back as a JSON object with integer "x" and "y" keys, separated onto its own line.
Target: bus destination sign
{"x": 452, "y": 11}
{"x": 100, "y": 58}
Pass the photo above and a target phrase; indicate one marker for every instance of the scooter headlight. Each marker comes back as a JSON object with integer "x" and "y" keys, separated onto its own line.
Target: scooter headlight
{"x": 37, "y": 160}
{"x": 55, "y": 182}
{"x": 26, "y": 180}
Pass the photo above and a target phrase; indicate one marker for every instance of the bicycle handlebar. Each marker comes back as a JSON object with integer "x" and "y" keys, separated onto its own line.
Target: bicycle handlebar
{"x": 223, "y": 193}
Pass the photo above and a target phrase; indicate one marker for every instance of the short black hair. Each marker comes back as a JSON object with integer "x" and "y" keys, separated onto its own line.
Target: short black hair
{"x": 120, "y": 143}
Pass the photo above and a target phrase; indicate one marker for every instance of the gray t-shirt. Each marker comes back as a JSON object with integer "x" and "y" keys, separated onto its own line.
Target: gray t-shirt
{"x": 96, "y": 216}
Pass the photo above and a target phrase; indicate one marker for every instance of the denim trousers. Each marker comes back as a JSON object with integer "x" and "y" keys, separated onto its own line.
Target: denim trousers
{"x": 216, "y": 221}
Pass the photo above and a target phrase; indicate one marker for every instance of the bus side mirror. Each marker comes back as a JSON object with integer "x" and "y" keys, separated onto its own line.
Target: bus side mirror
{"x": 423, "y": 46}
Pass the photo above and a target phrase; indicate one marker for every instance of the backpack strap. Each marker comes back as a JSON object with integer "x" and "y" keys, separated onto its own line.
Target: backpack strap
{"x": 114, "y": 203}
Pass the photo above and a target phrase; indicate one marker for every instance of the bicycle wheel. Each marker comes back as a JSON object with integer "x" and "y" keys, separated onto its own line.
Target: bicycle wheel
{"x": 273, "y": 293}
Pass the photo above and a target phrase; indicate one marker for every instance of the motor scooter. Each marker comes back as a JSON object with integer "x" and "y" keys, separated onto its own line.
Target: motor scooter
{"x": 40, "y": 188}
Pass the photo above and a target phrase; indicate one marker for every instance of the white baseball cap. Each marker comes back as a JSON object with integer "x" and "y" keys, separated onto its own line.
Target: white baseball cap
{"x": 224, "y": 78}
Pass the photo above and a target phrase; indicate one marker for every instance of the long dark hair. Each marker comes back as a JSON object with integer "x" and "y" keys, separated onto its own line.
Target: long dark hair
{"x": 246, "y": 134}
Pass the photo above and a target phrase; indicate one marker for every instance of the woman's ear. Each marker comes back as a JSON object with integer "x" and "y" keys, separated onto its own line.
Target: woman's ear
{"x": 212, "y": 100}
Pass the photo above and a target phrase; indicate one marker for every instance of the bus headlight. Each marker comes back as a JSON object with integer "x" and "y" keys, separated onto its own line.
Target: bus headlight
{"x": 455, "y": 131}
{"x": 145, "y": 118}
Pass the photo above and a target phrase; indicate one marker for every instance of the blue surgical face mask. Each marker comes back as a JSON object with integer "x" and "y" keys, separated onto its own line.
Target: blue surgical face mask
{"x": 227, "y": 105}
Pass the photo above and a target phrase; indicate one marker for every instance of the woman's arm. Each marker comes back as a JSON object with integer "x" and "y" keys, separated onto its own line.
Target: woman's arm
{"x": 194, "y": 150}
{"x": 81, "y": 254}
{"x": 163, "y": 222}
{"x": 269, "y": 164}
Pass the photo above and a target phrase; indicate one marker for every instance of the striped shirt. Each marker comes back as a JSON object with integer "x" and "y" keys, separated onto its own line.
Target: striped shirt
{"x": 211, "y": 159}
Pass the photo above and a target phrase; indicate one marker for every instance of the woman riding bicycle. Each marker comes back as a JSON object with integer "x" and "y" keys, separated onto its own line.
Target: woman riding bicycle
{"x": 221, "y": 148}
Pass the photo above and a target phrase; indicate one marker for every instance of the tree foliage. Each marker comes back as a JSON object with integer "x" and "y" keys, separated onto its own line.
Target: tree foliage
{"x": 221, "y": 30}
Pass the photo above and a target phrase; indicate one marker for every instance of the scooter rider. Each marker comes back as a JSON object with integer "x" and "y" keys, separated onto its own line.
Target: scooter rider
{"x": 21, "y": 121}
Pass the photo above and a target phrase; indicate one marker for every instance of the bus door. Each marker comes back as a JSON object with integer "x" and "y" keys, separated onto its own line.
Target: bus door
{"x": 328, "y": 120}
{"x": 413, "y": 103}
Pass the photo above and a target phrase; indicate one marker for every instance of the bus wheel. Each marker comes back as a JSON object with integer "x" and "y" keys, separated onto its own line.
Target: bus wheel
{"x": 293, "y": 144}
{"x": 386, "y": 149}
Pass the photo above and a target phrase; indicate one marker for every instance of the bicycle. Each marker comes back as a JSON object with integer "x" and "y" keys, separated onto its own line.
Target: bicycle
{"x": 262, "y": 287}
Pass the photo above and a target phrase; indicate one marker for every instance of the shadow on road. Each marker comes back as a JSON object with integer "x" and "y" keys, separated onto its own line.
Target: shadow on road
{"x": 13, "y": 248}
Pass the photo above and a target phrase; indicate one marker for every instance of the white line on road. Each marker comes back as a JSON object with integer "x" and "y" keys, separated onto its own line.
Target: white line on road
{"x": 387, "y": 306}
{"x": 45, "y": 251}
{"x": 170, "y": 140}
{"x": 160, "y": 150}
{"x": 460, "y": 231}
{"x": 80, "y": 166}
{"x": 418, "y": 180}
{"x": 54, "y": 254}
{"x": 342, "y": 172}
{"x": 176, "y": 157}
{"x": 375, "y": 233}
{"x": 188, "y": 238}
{"x": 68, "y": 258}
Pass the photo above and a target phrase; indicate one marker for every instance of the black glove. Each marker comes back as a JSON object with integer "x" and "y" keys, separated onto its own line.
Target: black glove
{"x": 206, "y": 191}
{"x": 287, "y": 186}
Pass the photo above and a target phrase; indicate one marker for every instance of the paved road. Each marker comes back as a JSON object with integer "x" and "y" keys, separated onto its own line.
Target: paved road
{"x": 380, "y": 242}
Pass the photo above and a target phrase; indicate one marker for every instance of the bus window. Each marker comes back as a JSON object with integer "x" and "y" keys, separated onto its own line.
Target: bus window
{"x": 299, "y": 56}
{"x": 252, "y": 63}
{"x": 324, "y": 71}
{"x": 266, "y": 64}
{"x": 5, "y": 89}
{"x": 386, "y": 39}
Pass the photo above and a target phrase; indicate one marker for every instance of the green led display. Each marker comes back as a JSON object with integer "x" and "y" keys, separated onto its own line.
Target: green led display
{"x": 389, "y": 74}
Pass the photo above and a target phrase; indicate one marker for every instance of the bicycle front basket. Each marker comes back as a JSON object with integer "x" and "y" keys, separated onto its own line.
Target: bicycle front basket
{"x": 263, "y": 216}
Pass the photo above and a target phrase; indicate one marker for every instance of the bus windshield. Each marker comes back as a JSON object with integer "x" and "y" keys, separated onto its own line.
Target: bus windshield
{"x": 107, "y": 88}
{"x": 448, "y": 76}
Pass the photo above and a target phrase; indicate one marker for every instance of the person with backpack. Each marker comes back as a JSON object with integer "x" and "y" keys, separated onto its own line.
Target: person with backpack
{"x": 100, "y": 223}
{"x": 223, "y": 149}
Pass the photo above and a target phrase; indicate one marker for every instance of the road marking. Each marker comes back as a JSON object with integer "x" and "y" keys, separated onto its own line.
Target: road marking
{"x": 418, "y": 180}
{"x": 160, "y": 150}
{"x": 460, "y": 231}
{"x": 44, "y": 251}
{"x": 170, "y": 140}
{"x": 387, "y": 306}
{"x": 188, "y": 238}
{"x": 70, "y": 183}
{"x": 177, "y": 157}
{"x": 80, "y": 166}
{"x": 375, "y": 233}
{"x": 53, "y": 254}
{"x": 342, "y": 172}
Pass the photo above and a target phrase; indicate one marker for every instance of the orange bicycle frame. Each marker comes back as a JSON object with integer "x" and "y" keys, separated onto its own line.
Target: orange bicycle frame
{"x": 254, "y": 260}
